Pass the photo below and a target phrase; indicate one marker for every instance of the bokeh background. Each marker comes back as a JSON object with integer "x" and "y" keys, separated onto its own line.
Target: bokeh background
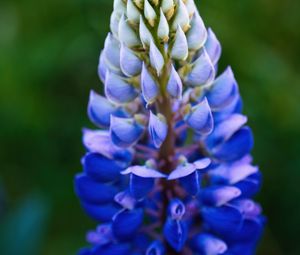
{"x": 48, "y": 59}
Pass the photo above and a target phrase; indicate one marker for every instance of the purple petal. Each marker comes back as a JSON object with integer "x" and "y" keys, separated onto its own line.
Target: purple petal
{"x": 158, "y": 129}
{"x": 149, "y": 86}
{"x": 143, "y": 171}
{"x": 174, "y": 86}
{"x": 197, "y": 34}
{"x": 131, "y": 65}
{"x": 213, "y": 47}
{"x": 112, "y": 52}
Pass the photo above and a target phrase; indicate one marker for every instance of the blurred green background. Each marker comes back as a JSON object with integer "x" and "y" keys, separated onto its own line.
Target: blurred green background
{"x": 48, "y": 59}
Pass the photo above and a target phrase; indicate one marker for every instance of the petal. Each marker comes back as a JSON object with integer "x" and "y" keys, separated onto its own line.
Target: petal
{"x": 100, "y": 212}
{"x": 118, "y": 90}
{"x": 125, "y": 132}
{"x": 158, "y": 129}
{"x": 101, "y": 168}
{"x": 182, "y": 171}
{"x": 200, "y": 118}
{"x": 100, "y": 142}
{"x": 250, "y": 186}
{"x": 100, "y": 109}
{"x": 90, "y": 191}
{"x": 166, "y": 5}
{"x": 156, "y": 248}
{"x": 149, "y": 86}
{"x": 203, "y": 71}
{"x": 239, "y": 145}
{"x": 126, "y": 34}
{"x": 191, "y": 183}
{"x": 225, "y": 220}
{"x": 163, "y": 27}
{"x": 156, "y": 58}
{"x": 174, "y": 86}
{"x": 175, "y": 232}
{"x": 213, "y": 47}
{"x": 126, "y": 224}
{"x": 176, "y": 209}
{"x": 202, "y": 163}
{"x": 102, "y": 67}
{"x": 224, "y": 130}
{"x": 145, "y": 35}
{"x": 140, "y": 186}
{"x": 125, "y": 199}
{"x": 112, "y": 52}
{"x": 131, "y": 65}
{"x": 182, "y": 17}
{"x": 223, "y": 90}
{"x": 180, "y": 49}
{"x": 143, "y": 171}
{"x": 191, "y": 7}
{"x": 219, "y": 195}
{"x": 208, "y": 244}
{"x": 197, "y": 35}
{"x": 133, "y": 13}
{"x": 119, "y": 6}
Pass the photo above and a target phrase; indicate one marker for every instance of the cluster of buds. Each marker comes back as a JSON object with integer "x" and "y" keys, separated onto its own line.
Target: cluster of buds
{"x": 169, "y": 170}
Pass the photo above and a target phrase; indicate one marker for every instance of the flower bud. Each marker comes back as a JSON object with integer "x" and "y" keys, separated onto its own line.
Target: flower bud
{"x": 181, "y": 17}
{"x": 127, "y": 34}
{"x": 124, "y": 132}
{"x": 133, "y": 13}
{"x": 213, "y": 47}
{"x": 209, "y": 244}
{"x": 197, "y": 34}
{"x": 118, "y": 90}
{"x": 158, "y": 129}
{"x": 149, "y": 87}
{"x": 174, "y": 86}
{"x": 112, "y": 52}
{"x": 163, "y": 27}
{"x": 168, "y": 8}
{"x": 119, "y": 6}
{"x": 180, "y": 47}
{"x": 114, "y": 23}
{"x": 156, "y": 58}
{"x": 145, "y": 35}
{"x": 130, "y": 64}
{"x": 149, "y": 13}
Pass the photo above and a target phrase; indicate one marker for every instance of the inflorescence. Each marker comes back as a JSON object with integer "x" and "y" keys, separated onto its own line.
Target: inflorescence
{"x": 169, "y": 170}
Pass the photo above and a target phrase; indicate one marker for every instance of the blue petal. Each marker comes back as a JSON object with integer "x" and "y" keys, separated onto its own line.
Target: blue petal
{"x": 239, "y": 145}
{"x": 200, "y": 118}
{"x": 175, "y": 233}
{"x": 99, "y": 142}
{"x": 208, "y": 244}
{"x": 213, "y": 47}
{"x": 156, "y": 58}
{"x": 203, "y": 71}
{"x": 180, "y": 49}
{"x": 224, "y": 220}
{"x": 174, "y": 86}
{"x": 158, "y": 129}
{"x": 126, "y": 224}
{"x": 223, "y": 91}
{"x": 197, "y": 34}
{"x": 250, "y": 186}
{"x": 219, "y": 195}
{"x": 125, "y": 131}
{"x": 149, "y": 87}
{"x": 182, "y": 171}
{"x": 224, "y": 130}
{"x": 156, "y": 248}
{"x": 131, "y": 65}
{"x": 102, "y": 67}
{"x": 126, "y": 34}
{"x": 100, "y": 109}
{"x": 112, "y": 52}
{"x": 101, "y": 168}
{"x": 140, "y": 186}
{"x": 191, "y": 183}
{"x": 100, "y": 212}
{"x": 91, "y": 191}
{"x": 176, "y": 209}
{"x": 113, "y": 249}
{"x": 118, "y": 90}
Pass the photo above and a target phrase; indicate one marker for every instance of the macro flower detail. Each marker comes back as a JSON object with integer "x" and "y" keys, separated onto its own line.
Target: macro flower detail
{"x": 168, "y": 169}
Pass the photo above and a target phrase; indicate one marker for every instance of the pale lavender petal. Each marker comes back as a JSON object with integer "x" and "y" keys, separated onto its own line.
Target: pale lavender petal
{"x": 174, "y": 86}
{"x": 158, "y": 129}
{"x": 143, "y": 171}
{"x": 180, "y": 49}
{"x": 213, "y": 47}
{"x": 130, "y": 64}
{"x": 156, "y": 58}
{"x": 149, "y": 87}
{"x": 197, "y": 35}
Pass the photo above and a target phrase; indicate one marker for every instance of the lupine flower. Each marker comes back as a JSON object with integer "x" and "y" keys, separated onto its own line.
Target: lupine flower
{"x": 168, "y": 171}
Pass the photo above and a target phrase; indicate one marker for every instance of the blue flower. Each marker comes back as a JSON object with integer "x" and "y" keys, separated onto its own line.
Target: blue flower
{"x": 185, "y": 183}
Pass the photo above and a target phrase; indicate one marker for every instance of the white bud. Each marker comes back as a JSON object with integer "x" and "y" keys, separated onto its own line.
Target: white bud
{"x": 133, "y": 13}
{"x": 166, "y": 5}
{"x": 191, "y": 7}
{"x": 145, "y": 34}
{"x": 182, "y": 17}
{"x": 149, "y": 13}
{"x": 163, "y": 27}
{"x": 180, "y": 49}
{"x": 119, "y": 6}
{"x": 127, "y": 34}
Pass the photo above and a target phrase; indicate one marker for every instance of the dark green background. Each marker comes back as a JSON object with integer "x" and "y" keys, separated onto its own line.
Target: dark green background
{"x": 48, "y": 59}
